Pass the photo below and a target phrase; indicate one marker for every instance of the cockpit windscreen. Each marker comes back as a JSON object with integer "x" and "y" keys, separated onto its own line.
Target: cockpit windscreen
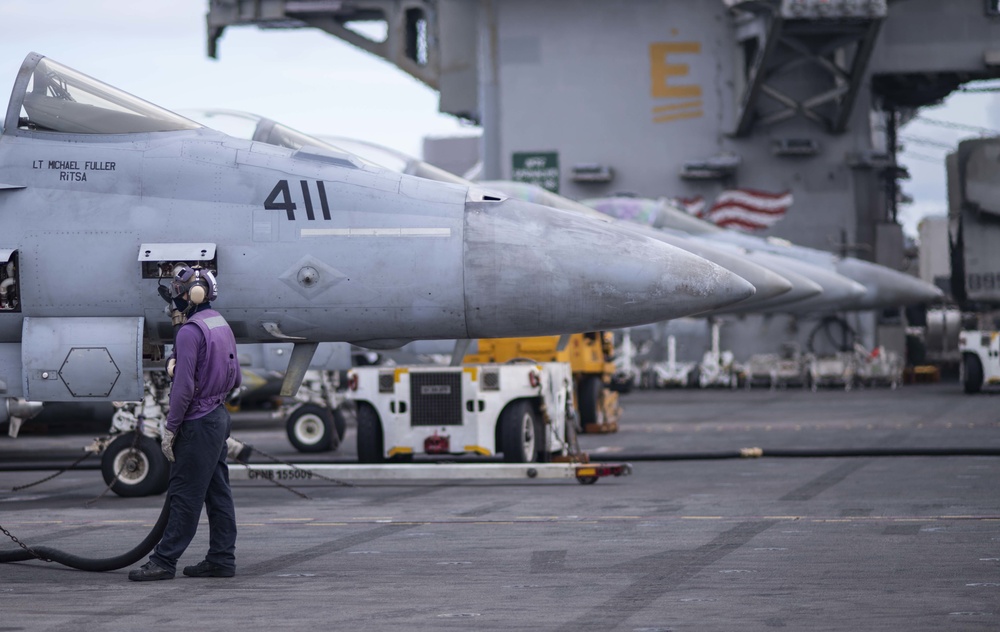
{"x": 60, "y": 99}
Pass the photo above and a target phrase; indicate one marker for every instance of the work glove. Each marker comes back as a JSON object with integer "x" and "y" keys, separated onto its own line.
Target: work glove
{"x": 238, "y": 451}
{"x": 167, "y": 444}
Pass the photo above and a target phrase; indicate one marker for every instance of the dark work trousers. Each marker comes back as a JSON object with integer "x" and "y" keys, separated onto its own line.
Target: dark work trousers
{"x": 199, "y": 476}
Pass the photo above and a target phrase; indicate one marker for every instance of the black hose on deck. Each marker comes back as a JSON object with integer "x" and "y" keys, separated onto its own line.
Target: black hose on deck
{"x": 96, "y": 565}
{"x": 143, "y": 548}
{"x": 756, "y": 453}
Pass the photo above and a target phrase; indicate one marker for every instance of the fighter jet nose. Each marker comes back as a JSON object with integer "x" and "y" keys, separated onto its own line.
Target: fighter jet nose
{"x": 931, "y": 293}
{"x": 534, "y": 270}
{"x": 885, "y": 287}
{"x": 768, "y": 283}
{"x": 775, "y": 284}
{"x": 839, "y": 292}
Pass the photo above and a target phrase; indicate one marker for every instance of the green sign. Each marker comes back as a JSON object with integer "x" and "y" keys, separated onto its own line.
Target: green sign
{"x": 537, "y": 167}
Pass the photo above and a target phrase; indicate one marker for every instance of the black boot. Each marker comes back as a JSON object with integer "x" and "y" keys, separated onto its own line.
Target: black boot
{"x": 150, "y": 572}
{"x": 208, "y": 569}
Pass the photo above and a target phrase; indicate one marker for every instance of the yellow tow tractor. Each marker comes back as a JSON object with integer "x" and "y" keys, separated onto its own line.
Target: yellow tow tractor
{"x": 591, "y": 358}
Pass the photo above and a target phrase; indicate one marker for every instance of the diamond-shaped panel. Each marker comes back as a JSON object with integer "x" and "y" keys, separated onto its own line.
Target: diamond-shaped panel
{"x": 310, "y": 277}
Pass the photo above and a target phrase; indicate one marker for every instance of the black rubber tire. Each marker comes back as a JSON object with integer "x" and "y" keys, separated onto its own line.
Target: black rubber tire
{"x": 519, "y": 435}
{"x": 371, "y": 445}
{"x": 972, "y": 374}
{"x": 310, "y": 428}
{"x": 340, "y": 423}
{"x": 693, "y": 378}
{"x": 142, "y": 471}
{"x": 589, "y": 401}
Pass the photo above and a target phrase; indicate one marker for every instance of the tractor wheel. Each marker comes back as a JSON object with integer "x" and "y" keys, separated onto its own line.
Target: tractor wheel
{"x": 519, "y": 433}
{"x": 972, "y": 374}
{"x": 371, "y": 445}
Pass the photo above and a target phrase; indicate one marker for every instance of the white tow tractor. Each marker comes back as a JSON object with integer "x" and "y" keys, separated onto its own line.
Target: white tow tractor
{"x": 522, "y": 410}
{"x": 980, "y": 359}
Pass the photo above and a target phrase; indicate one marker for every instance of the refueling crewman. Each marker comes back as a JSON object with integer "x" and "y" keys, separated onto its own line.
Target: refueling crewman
{"x": 205, "y": 369}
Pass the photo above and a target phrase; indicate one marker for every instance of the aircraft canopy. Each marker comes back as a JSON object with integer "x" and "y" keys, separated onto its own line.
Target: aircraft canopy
{"x": 50, "y": 97}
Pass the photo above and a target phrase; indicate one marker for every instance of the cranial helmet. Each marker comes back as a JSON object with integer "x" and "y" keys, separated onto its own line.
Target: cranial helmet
{"x": 198, "y": 283}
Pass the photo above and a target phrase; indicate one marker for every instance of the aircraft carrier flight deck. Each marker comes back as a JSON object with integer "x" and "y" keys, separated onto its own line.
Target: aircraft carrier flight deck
{"x": 874, "y": 509}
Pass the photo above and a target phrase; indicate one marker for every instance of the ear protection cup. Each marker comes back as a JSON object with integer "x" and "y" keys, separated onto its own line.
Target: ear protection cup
{"x": 199, "y": 285}
{"x": 197, "y": 293}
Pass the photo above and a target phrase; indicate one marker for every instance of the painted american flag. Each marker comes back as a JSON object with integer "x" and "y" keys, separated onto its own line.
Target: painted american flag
{"x": 748, "y": 210}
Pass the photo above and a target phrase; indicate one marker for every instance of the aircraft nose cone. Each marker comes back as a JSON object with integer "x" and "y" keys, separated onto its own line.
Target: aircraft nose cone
{"x": 815, "y": 288}
{"x": 768, "y": 283}
{"x": 885, "y": 287}
{"x": 533, "y": 270}
{"x": 839, "y": 292}
{"x": 802, "y": 288}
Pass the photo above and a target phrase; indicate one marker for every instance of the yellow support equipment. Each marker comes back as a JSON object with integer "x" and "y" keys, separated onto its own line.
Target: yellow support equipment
{"x": 591, "y": 357}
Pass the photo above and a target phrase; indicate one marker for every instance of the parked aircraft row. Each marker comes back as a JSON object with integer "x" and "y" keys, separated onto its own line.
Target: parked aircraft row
{"x": 820, "y": 281}
{"x": 103, "y": 194}
{"x": 881, "y": 287}
{"x": 787, "y": 278}
{"x": 313, "y": 244}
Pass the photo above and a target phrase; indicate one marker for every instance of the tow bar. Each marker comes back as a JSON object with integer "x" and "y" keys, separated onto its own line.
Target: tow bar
{"x": 585, "y": 473}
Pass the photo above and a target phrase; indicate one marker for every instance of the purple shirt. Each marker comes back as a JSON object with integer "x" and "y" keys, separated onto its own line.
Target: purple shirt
{"x": 207, "y": 367}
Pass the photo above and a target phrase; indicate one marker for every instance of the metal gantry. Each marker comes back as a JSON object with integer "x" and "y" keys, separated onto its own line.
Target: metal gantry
{"x": 803, "y": 58}
{"x": 408, "y": 26}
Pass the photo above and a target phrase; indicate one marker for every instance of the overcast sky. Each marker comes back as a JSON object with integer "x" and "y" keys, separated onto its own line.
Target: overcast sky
{"x": 156, "y": 49}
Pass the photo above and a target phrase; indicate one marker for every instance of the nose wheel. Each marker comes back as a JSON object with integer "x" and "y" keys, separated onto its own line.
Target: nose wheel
{"x": 313, "y": 428}
{"x": 135, "y": 466}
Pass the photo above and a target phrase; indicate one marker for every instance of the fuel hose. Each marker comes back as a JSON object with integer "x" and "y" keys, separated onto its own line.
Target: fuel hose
{"x": 128, "y": 558}
{"x": 96, "y": 565}
{"x": 757, "y": 453}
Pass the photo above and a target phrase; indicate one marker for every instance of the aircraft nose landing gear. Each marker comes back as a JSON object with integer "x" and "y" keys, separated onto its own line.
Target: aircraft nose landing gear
{"x": 133, "y": 465}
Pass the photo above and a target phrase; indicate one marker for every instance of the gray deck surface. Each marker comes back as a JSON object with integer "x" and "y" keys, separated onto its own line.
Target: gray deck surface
{"x": 849, "y": 543}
